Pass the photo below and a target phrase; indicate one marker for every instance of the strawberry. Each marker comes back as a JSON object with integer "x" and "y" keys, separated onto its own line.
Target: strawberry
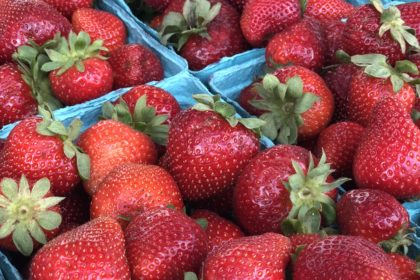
{"x": 220, "y": 203}
{"x": 238, "y": 4}
{"x": 110, "y": 143}
{"x": 68, "y": 7}
{"x": 261, "y": 19}
{"x": 326, "y": 11}
{"x": 78, "y": 73}
{"x": 246, "y": 96}
{"x": 281, "y": 184}
{"x": 16, "y": 101}
{"x": 415, "y": 58}
{"x": 156, "y": 22}
{"x": 300, "y": 239}
{"x": 339, "y": 142}
{"x": 43, "y": 148}
{"x": 133, "y": 65}
{"x": 410, "y": 15}
{"x": 95, "y": 249}
{"x": 264, "y": 257}
{"x": 74, "y": 209}
{"x": 100, "y": 25}
{"x": 407, "y": 267}
{"x": 389, "y": 154}
{"x": 30, "y": 214}
{"x": 131, "y": 188}
{"x": 156, "y": 5}
{"x": 416, "y": 112}
{"x": 333, "y": 40}
{"x": 346, "y": 257}
{"x": 23, "y": 20}
{"x": 218, "y": 229}
{"x": 2, "y": 142}
{"x": 208, "y": 146}
{"x": 203, "y": 31}
{"x": 300, "y": 44}
{"x": 163, "y": 244}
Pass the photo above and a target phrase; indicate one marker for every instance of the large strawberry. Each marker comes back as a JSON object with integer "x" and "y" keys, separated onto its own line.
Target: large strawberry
{"x": 23, "y": 20}
{"x": 203, "y": 31}
{"x": 261, "y": 19}
{"x": 300, "y": 240}
{"x": 247, "y": 95}
{"x": 208, "y": 146}
{"x": 74, "y": 209}
{"x": 410, "y": 13}
{"x": 345, "y": 258}
{"x": 389, "y": 154}
{"x": 255, "y": 257}
{"x": 163, "y": 244}
{"x": 407, "y": 268}
{"x": 333, "y": 40}
{"x": 68, "y": 7}
{"x": 93, "y": 250}
{"x": 29, "y": 214}
{"x": 326, "y": 11}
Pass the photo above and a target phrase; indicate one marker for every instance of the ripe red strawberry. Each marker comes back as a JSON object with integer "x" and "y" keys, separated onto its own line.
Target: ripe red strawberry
{"x": 16, "y": 101}
{"x": 334, "y": 40}
{"x": 218, "y": 229}
{"x": 410, "y": 14}
{"x": 406, "y": 267}
{"x": 30, "y": 214}
{"x": 299, "y": 239}
{"x": 264, "y": 257}
{"x": 43, "y": 148}
{"x": 95, "y": 249}
{"x": 2, "y": 142}
{"x": 300, "y": 44}
{"x": 100, "y": 25}
{"x": 279, "y": 183}
{"x": 203, "y": 32}
{"x": 346, "y": 257}
{"x": 131, "y": 188}
{"x": 68, "y": 7}
{"x": 261, "y": 19}
{"x": 247, "y": 94}
{"x": 326, "y": 11}
{"x": 74, "y": 209}
{"x": 133, "y": 65}
{"x": 339, "y": 142}
{"x": 110, "y": 143}
{"x": 239, "y": 4}
{"x": 163, "y": 244}
{"x": 389, "y": 154}
{"x": 23, "y": 20}
{"x": 208, "y": 146}
{"x": 156, "y": 22}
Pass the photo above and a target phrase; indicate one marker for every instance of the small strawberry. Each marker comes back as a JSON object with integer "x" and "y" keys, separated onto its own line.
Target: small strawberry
{"x": 135, "y": 64}
{"x": 95, "y": 249}
{"x": 300, "y": 44}
{"x": 254, "y": 257}
{"x": 218, "y": 229}
{"x": 100, "y": 25}
{"x": 163, "y": 244}
{"x": 410, "y": 15}
{"x": 261, "y": 19}
{"x": 246, "y": 96}
{"x": 339, "y": 142}
{"x": 327, "y": 11}
{"x": 68, "y": 7}
{"x": 407, "y": 267}
{"x": 208, "y": 146}
{"x": 74, "y": 209}
{"x": 131, "y": 188}
{"x": 389, "y": 154}
{"x": 345, "y": 258}
{"x": 30, "y": 214}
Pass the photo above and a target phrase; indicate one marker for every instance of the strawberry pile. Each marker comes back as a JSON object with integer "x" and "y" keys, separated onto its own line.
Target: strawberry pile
{"x": 155, "y": 189}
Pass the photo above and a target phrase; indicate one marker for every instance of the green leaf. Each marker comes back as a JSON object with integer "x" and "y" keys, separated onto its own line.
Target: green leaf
{"x": 406, "y": 66}
{"x": 49, "y": 202}
{"x": 295, "y": 87}
{"x": 328, "y": 212}
{"x": 204, "y": 99}
{"x": 305, "y": 103}
{"x": 40, "y": 188}
{"x": 397, "y": 83}
{"x": 213, "y": 13}
{"x": 224, "y": 109}
{"x": 69, "y": 149}
{"x": 202, "y": 222}
{"x": 49, "y": 220}
{"x": 290, "y": 226}
{"x": 190, "y": 276}
{"x": 24, "y": 186}
{"x": 378, "y": 71}
{"x": 9, "y": 188}
{"x": 7, "y": 228}
{"x": 57, "y": 128}
{"x": 312, "y": 221}
{"x": 252, "y": 123}
{"x": 36, "y": 232}
{"x": 368, "y": 59}
{"x": 23, "y": 240}
{"x": 83, "y": 165}
{"x": 74, "y": 129}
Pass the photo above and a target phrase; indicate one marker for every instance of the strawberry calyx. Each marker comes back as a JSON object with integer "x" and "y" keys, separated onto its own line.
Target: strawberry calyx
{"x": 177, "y": 28}
{"x": 215, "y": 103}
{"x": 376, "y": 65}
{"x": 400, "y": 242}
{"x": 143, "y": 119}
{"x": 26, "y": 214}
{"x": 285, "y": 104}
{"x": 73, "y": 51}
{"x": 309, "y": 197}
{"x": 190, "y": 276}
{"x": 30, "y": 59}
{"x": 51, "y": 127}
{"x": 203, "y": 223}
{"x": 391, "y": 21}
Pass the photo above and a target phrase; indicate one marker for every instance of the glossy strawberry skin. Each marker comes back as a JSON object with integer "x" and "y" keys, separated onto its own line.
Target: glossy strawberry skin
{"x": 95, "y": 250}
{"x": 110, "y": 143}
{"x": 361, "y": 35}
{"x": 365, "y": 92}
{"x": 16, "y": 101}
{"x": 133, "y": 65}
{"x": 205, "y": 154}
{"x": 254, "y": 257}
{"x": 389, "y": 154}
{"x": 410, "y": 13}
{"x": 68, "y": 7}
{"x": 131, "y": 188}
{"x": 23, "y": 20}
{"x": 334, "y": 40}
{"x": 100, "y": 25}
{"x": 347, "y": 257}
{"x": 74, "y": 209}
{"x": 74, "y": 87}
{"x": 339, "y": 142}
{"x": 326, "y": 11}
{"x": 247, "y": 94}
{"x": 406, "y": 266}
{"x": 300, "y": 44}
{"x": 261, "y": 19}
{"x": 37, "y": 156}
{"x": 163, "y": 244}
{"x": 385, "y": 214}
{"x": 298, "y": 240}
